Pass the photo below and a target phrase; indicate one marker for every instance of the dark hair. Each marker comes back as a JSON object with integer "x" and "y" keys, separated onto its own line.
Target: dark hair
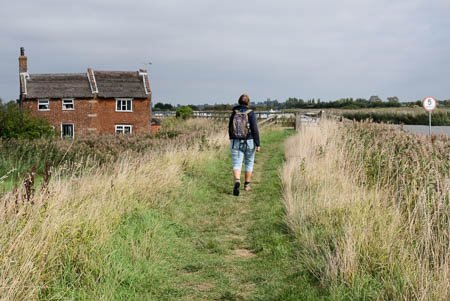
{"x": 244, "y": 100}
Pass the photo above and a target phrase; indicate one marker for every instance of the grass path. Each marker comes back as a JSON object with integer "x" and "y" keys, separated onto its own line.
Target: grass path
{"x": 242, "y": 250}
{"x": 209, "y": 244}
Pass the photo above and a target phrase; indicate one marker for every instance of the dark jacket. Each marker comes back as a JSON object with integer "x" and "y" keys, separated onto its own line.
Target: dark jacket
{"x": 254, "y": 133}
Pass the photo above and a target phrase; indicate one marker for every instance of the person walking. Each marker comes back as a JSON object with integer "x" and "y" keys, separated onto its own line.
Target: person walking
{"x": 244, "y": 141}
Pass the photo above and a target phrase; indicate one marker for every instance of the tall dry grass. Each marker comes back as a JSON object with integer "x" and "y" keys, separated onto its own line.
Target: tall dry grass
{"x": 370, "y": 207}
{"x": 65, "y": 223}
{"x": 18, "y": 156}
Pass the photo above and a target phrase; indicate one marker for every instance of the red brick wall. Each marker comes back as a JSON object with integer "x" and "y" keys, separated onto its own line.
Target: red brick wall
{"x": 94, "y": 116}
{"x": 108, "y": 117}
{"x": 56, "y": 115}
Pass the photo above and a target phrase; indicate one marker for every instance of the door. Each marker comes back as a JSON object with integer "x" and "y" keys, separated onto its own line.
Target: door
{"x": 67, "y": 130}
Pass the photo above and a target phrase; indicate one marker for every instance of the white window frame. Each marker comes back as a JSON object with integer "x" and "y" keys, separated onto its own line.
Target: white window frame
{"x": 121, "y": 106}
{"x": 66, "y": 99}
{"x": 43, "y": 100}
{"x": 73, "y": 127}
{"x": 122, "y": 127}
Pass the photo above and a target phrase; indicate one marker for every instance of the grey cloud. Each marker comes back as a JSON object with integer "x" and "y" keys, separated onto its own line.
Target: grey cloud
{"x": 212, "y": 51}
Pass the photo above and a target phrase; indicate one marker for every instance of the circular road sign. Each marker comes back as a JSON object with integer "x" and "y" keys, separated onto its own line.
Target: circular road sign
{"x": 429, "y": 103}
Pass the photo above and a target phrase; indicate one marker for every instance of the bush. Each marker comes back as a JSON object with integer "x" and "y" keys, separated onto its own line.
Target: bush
{"x": 13, "y": 124}
{"x": 184, "y": 112}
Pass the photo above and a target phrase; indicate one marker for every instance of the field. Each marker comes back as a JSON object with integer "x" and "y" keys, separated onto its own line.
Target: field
{"x": 341, "y": 211}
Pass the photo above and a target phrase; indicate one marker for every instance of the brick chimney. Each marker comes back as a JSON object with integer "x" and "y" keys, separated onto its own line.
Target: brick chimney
{"x": 23, "y": 65}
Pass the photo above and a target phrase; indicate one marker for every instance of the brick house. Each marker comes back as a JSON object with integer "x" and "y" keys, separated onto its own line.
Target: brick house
{"x": 95, "y": 102}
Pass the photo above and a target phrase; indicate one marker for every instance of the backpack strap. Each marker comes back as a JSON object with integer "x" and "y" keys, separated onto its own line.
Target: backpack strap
{"x": 246, "y": 112}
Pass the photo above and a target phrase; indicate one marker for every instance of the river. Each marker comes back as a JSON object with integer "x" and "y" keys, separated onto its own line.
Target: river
{"x": 423, "y": 129}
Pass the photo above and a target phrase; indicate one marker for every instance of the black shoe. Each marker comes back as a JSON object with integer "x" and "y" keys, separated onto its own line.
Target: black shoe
{"x": 236, "y": 188}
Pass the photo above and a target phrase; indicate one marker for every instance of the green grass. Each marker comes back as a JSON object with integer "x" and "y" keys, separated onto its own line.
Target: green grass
{"x": 206, "y": 245}
{"x": 7, "y": 185}
{"x": 10, "y": 183}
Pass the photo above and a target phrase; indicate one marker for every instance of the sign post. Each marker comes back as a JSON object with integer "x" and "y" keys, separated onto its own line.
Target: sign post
{"x": 429, "y": 104}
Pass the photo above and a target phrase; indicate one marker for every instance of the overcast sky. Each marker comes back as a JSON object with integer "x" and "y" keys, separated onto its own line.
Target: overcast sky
{"x": 212, "y": 51}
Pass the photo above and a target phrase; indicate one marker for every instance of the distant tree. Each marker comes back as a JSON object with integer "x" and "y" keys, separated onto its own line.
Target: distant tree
{"x": 393, "y": 102}
{"x": 183, "y": 112}
{"x": 375, "y": 99}
{"x": 158, "y": 106}
{"x": 361, "y": 101}
{"x": 220, "y": 107}
{"x": 163, "y": 106}
{"x": 292, "y": 103}
{"x": 204, "y": 106}
{"x": 393, "y": 99}
{"x": 193, "y": 107}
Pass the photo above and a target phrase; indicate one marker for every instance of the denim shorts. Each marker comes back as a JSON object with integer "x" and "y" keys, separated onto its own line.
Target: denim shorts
{"x": 240, "y": 150}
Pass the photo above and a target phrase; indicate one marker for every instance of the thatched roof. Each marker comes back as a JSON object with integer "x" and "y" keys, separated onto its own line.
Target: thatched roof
{"x": 110, "y": 84}
{"x": 120, "y": 84}
{"x": 58, "y": 85}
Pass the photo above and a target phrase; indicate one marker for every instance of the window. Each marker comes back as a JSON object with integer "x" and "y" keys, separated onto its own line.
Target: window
{"x": 67, "y": 104}
{"x": 43, "y": 105}
{"x": 67, "y": 130}
{"x": 124, "y": 105}
{"x": 124, "y": 129}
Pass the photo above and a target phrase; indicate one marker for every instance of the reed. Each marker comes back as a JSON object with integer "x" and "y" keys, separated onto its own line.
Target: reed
{"x": 369, "y": 205}
{"x": 439, "y": 118}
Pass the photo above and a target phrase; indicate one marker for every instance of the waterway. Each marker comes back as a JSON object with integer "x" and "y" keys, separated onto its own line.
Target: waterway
{"x": 423, "y": 129}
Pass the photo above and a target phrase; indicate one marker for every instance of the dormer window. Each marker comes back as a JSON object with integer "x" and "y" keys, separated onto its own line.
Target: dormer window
{"x": 67, "y": 104}
{"x": 43, "y": 105}
{"x": 124, "y": 105}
